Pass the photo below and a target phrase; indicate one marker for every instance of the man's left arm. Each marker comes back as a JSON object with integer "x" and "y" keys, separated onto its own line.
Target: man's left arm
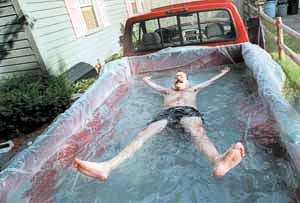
{"x": 211, "y": 80}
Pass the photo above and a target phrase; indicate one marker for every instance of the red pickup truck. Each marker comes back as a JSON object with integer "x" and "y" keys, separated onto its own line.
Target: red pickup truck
{"x": 204, "y": 23}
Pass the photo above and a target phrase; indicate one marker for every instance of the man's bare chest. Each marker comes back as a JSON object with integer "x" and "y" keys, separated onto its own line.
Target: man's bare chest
{"x": 180, "y": 95}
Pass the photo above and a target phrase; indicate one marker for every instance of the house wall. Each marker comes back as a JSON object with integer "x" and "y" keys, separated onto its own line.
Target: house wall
{"x": 53, "y": 36}
{"x": 159, "y": 3}
{"x": 17, "y": 54}
{"x": 239, "y": 4}
{"x": 149, "y": 4}
{"x": 56, "y": 40}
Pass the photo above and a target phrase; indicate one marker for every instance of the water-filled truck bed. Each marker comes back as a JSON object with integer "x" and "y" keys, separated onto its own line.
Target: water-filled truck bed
{"x": 87, "y": 127}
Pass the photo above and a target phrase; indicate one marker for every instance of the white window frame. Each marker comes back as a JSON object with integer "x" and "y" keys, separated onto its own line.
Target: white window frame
{"x": 85, "y": 3}
{"x": 74, "y": 8}
{"x": 140, "y": 7}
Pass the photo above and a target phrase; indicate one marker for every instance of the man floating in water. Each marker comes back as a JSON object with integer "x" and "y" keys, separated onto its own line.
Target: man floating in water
{"x": 179, "y": 109}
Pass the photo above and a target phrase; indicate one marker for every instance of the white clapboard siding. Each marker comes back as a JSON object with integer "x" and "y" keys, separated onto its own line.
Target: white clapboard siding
{"x": 19, "y": 58}
{"x": 17, "y": 61}
{"x": 47, "y": 13}
{"x": 7, "y": 29}
{"x": 7, "y": 75}
{"x": 7, "y": 20}
{"x": 40, "y": 5}
{"x": 7, "y": 11}
{"x": 54, "y": 29}
{"x": 45, "y": 22}
{"x": 109, "y": 3}
{"x": 5, "y": 3}
{"x": 83, "y": 51}
{"x": 18, "y": 36}
{"x": 99, "y": 47}
{"x": 56, "y": 36}
{"x": 16, "y": 45}
{"x": 19, "y": 67}
{"x": 56, "y": 40}
{"x": 19, "y": 52}
{"x": 57, "y": 44}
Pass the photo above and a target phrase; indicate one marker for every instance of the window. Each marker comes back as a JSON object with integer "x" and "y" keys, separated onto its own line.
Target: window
{"x": 88, "y": 13}
{"x": 87, "y": 16}
{"x": 187, "y": 28}
{"x": 134, "y": 7}
{"x": 216, "y": 25}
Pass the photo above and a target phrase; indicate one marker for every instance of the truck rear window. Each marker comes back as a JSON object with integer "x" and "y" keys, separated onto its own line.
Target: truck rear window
{"x": 190, "y": 28}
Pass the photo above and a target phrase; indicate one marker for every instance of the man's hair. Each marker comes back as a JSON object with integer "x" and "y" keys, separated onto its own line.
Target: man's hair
{"x": 181, "y": 71}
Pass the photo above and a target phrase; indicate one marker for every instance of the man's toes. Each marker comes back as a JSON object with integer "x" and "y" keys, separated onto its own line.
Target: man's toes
{"x": 75, "y": 164}
{"x": 242, "y": 151}
{"x": 231, "y": 153}
{"x": 78, "y": 161}
{"x": 237, "y": 156}
{"x": 102, "y": 177}
{"x": 240, "y": 147}
{"x": 229, "y": 160}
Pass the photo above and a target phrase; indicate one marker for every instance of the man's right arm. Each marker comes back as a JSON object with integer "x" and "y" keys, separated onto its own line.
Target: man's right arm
{"x": 155, "y": 86}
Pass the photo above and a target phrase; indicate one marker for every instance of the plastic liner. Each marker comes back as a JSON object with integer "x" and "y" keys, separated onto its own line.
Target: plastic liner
{"x": 80, "y": 132}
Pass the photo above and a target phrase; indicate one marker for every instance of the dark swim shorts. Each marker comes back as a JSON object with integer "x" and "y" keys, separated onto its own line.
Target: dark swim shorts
{"x": 174, "y": 115}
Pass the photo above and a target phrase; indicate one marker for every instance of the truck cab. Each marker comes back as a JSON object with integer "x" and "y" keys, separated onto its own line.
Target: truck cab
{"x": 200, "y": 23}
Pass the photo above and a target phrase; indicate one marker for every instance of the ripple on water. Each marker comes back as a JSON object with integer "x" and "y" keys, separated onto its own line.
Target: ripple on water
{"x": 169, "y": 168}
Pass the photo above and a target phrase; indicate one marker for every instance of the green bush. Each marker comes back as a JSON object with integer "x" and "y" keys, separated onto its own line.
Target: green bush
{"x": 29, "y": 101}
{"x": 113, "y": 57}
{"x": 82, "y": 85}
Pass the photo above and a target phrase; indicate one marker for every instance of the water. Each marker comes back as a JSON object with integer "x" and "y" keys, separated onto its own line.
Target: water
{"x": 169, "y": 168}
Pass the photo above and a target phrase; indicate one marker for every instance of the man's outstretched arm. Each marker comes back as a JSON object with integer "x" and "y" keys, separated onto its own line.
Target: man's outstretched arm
{"x": 211, "y": 80}
{"x": 155, "y": 86}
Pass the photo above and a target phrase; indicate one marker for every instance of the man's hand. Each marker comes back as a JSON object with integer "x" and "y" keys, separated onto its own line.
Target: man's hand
{"x": 225, "y": 70}
{"x": 155, "y": 86}
{"x": 146, "y": 78}
{"x": 211, "y": 80}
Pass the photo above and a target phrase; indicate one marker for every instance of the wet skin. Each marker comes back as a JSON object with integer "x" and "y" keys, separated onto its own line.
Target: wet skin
{"x": 180, "y": 95}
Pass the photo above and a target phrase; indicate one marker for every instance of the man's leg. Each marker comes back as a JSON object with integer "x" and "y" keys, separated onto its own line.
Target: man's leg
{"x": 221, "y": 163}
{"x": 102, "y": 170}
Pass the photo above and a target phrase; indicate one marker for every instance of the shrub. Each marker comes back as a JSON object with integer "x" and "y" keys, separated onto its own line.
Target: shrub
{"x": 82, "y": 85}
{"x": 113, "y": 57}
{"x": 29, "y": 101}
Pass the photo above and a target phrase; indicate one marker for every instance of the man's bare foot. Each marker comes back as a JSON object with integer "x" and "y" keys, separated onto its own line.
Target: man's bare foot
{"x": 96, "y": 170}
{"x": 229, "y": 159}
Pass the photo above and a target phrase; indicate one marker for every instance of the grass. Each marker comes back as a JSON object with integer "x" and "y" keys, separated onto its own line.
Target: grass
{"x": 288, "y": 40}
{"x": 291, "y": 90}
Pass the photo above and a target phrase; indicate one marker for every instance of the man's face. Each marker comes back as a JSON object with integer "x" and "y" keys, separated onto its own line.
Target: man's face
{"x": 181, "y": 81}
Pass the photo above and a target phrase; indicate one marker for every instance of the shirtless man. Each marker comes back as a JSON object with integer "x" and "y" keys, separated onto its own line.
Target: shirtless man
{"x": 179, "y": 110}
